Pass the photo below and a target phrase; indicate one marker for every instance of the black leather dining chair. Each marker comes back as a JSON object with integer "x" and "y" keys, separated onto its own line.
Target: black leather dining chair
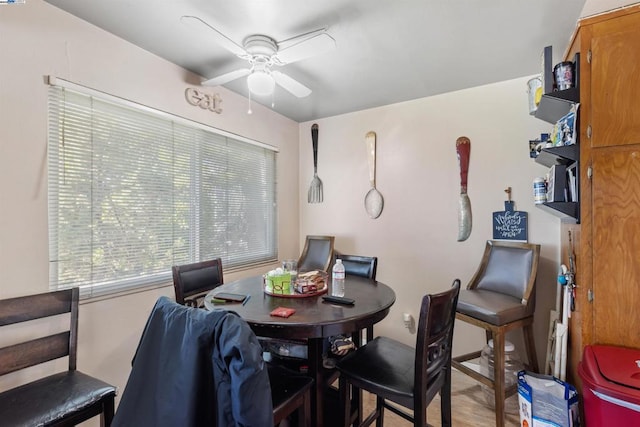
{"x": 500, "y": 298}
{"x": 358, "y": 265}
{"x": 195, "y": 367}
{"x": 361, "y": 266}
{"x": 191, "y": 282}
{"x": 317, "y": 253}
{"x": 407, "y": 376}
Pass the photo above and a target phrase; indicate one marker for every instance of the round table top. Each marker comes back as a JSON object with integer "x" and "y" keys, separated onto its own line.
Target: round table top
{"x": 314, "y": 317}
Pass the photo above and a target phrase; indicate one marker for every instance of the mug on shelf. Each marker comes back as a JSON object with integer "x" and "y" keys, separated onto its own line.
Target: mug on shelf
{"x": 563, "y": 73}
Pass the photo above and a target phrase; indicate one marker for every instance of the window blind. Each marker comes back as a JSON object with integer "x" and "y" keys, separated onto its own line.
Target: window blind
{"x": 133, "y": 192}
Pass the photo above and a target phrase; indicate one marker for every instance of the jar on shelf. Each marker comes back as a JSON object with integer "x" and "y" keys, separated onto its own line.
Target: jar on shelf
{"x": 512, "y": 365}
{"x": 539, "y": 191}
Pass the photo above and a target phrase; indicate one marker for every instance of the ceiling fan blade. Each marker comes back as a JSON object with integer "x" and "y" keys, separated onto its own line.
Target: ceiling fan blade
{"x": 227, "y": 77}
{"x": 221, "y": 39}
{"x": 315, "y": 45}
{"x": 283, "y": 44}
{"x": 291, "y": 85}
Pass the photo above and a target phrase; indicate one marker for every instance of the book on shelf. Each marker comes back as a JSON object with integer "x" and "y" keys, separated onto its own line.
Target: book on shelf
{"x": 572, "y": 185}
{"x": 557, "y": 184}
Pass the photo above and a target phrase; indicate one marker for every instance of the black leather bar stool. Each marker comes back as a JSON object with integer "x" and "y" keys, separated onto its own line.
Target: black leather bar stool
{"x": 499, "y": 298}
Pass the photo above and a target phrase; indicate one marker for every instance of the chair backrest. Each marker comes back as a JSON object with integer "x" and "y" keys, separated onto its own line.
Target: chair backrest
{"x": 44, "y": 349}
{"x": 509, "y": 268}
{"x": 433, "y": 346}
{"x": 191, "y": 281}
{"x": 356, "y": 265}
{"x": 317, "y": 253}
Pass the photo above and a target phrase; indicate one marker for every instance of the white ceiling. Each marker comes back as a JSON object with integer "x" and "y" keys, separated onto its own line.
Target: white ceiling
{"x": 387, "y": 51}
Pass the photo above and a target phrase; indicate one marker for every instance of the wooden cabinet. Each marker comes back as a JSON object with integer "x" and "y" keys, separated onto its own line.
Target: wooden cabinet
{"x": 616, "y": 245}
{"x": 607, "y": 242}
{"x": 615, "y": 81}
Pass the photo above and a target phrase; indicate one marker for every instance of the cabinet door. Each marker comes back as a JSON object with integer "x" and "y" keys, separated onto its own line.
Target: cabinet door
{"x": 616, "y": 245}
{"x": 615, "y": 81}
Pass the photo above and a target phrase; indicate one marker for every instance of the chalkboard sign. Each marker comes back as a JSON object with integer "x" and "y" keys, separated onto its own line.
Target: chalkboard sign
{"x": 510, "y": 224}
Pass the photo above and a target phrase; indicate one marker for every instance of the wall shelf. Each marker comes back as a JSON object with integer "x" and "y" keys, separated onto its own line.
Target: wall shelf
{"x": 555, "y": 105}
{"x": 565, "y": 210}
{"x": 562, "y": 155}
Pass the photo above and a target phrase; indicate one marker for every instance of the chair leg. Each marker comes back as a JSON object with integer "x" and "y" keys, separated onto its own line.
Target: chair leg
{"x": 108, "y": 409}
{"x": 530, "y": 345}
{"x": 380, "y": 406}
{"x": 345, "y": 401}
{"x": 358, "y": 404}
{"x": 445, "y": 400}
{"x": 498, "y": 377}
{"x": 304, "y": 411}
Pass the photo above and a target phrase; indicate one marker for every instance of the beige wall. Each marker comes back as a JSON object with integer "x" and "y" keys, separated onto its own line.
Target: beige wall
{"x": 415, "y": 237}
{"x": 594, "y": 7}
{"x": 36, "y": 40}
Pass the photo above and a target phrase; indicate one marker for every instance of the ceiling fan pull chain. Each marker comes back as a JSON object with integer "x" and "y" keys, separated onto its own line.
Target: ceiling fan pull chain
{"x": 249, "y": 110}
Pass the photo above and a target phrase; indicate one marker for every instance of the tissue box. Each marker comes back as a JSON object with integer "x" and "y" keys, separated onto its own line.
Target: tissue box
{"x": 278, "y": 283}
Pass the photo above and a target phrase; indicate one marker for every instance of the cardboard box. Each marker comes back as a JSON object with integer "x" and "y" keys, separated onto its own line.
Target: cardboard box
{"x": 546, "y": 401}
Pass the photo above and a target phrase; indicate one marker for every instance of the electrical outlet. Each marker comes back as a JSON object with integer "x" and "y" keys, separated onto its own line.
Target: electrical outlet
{"x": 407, "y": 319}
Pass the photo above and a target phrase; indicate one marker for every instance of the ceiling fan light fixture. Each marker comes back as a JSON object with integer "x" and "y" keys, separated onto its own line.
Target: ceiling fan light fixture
{"x": 261, "y": 83}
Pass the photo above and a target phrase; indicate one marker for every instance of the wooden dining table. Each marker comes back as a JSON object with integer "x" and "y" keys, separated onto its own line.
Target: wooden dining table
{"x": 313, "y": 320}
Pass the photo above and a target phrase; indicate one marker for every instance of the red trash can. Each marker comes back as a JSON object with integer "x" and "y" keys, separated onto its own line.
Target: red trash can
{"x": 610, "y": 385}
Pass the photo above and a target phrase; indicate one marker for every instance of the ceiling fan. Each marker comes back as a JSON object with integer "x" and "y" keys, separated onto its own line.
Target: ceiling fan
{"x": 262, "y": 52}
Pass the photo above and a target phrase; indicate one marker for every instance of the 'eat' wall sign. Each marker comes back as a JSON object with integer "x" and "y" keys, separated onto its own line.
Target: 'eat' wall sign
{"x": 203, "y": 100}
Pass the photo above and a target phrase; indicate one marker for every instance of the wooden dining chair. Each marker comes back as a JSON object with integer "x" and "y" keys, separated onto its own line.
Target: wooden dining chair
{"x": 499, "y": 298}
{"x": 317, "y": 253}
{"x": 191, "y": 282}
{"x": 399, "y": 374}
{"x": 65, "y": 398}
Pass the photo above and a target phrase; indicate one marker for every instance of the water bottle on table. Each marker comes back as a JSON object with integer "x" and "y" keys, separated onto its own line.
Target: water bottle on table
{"x": 337, "y": 279}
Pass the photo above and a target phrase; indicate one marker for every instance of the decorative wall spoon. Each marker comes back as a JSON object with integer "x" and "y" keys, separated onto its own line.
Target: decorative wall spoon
{"x": 373, "y": 201}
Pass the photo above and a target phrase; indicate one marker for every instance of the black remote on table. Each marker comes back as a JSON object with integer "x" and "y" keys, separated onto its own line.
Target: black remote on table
{"x": 339, "y": 300}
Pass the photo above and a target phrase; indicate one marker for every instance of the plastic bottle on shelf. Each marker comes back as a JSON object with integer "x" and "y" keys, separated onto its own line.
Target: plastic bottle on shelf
{"x": 337, "y": 279}
{"x": 512, "y": 365}
{"x": 539, "y": 191}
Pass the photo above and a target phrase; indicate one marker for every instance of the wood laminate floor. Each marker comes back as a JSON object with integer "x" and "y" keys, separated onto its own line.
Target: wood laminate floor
{"x": 469, "y": 408}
